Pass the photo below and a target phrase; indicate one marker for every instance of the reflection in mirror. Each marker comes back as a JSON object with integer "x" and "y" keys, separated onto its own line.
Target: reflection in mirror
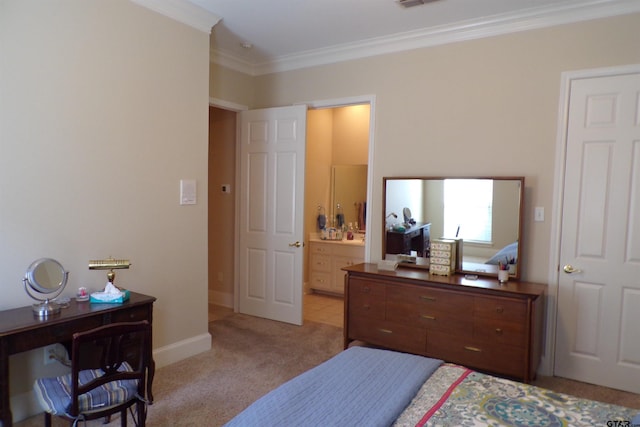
{"x": 349, "y": 192}
{"x": 484, "y": 212}
{"x": 44, "y": 280}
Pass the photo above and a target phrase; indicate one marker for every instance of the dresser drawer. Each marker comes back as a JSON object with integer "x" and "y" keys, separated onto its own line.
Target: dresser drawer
{"x": 358, "y": 286}
{"x": 388, "y": 334}
{"x": 426, "y": 317}
{"x": 499, "y": 332}
{"x": 502, "y": 359}
{"x": 436, "y": 299}
{"x": 320, "y": 248}
{"x": 509, "y": 310}
{"x": 132, "y": 315}
{"x": 367, "y": 305}
{"x": 320, "y": 280}
{"x": 320, "y": 263}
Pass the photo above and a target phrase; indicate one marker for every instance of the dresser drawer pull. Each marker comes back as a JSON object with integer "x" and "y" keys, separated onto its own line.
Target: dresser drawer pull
{"x": 366, "y": 306}
{"x": 386, "y": 331}
{"x": 427, "y": 298}
{"x": 366, "y": 289}
{"x": 498, "y": 331}
{"x": 469, "y": 348}
{"x": 499, "y": 310}
{"x": 424, "y": 316}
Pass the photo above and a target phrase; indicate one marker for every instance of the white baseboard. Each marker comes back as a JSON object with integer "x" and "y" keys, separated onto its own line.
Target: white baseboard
{"x": 223, "y": 299}
{"x": 25, "y": 405}
{"x": 180, "y": 350}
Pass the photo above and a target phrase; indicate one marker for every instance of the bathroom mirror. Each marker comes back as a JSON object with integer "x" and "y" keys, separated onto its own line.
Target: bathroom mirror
{"x": 44, "y": 280}
{"x": 349, "y": 191}
{"x": 485, "y": 212}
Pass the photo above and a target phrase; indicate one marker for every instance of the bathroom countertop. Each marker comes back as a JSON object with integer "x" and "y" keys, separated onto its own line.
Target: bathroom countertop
{"x": 358, "y": 240}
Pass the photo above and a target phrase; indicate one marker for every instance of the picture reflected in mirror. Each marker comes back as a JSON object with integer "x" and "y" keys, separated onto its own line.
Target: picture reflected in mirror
{"x": 484, "y": 213}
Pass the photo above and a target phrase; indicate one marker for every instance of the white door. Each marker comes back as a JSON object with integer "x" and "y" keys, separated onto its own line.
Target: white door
{"x": 271, "y": 190}
{"x": 598, "y": 327}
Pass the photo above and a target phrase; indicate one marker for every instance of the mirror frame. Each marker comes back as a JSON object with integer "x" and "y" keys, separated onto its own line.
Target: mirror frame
{"x": 40, "y": 292}
{"x": 33, "y": 282}
{"x": 425, "y": 264}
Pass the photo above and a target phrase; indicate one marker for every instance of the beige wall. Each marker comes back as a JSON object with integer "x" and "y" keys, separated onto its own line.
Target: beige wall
{"x": 229, "y": 85}
{"x": 483, "y": 107}
{"x": 103, "y": 109}
{"x": 350, "y": 135}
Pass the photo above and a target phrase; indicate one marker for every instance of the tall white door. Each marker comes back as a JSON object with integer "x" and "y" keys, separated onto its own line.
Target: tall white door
{"x": 598, "y": 319}
{"x": 271, "y": 190}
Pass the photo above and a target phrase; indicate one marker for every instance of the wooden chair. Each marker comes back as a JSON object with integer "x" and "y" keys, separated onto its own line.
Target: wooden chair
{"x": 109, "y": 374}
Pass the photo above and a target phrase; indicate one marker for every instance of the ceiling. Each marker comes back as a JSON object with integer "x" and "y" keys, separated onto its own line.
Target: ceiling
{"x": 290, "y": 34}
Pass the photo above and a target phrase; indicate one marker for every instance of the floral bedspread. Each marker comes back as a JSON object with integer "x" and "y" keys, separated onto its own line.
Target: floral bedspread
{"x": 457, "y": 396}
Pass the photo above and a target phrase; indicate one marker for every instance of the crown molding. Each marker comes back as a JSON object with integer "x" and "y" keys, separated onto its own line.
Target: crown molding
{"x": 529, "y": 19}
{"x": 183, "y": 11}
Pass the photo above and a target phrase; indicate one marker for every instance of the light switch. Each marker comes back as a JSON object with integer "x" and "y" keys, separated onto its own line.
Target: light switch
{"x": 188, "y": 192}
{"x": 538, "y": 215}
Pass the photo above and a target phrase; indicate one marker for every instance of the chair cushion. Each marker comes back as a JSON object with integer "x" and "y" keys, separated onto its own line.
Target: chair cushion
{"x": 54, "y": 394}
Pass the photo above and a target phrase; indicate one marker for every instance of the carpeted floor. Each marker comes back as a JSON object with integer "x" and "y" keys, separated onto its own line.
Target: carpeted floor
{"x": 251, "y": 356}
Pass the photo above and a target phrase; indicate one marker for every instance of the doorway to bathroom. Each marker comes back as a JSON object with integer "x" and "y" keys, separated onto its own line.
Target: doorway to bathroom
{"x": 336, "y": 190}
{"x": 222, "y": 185}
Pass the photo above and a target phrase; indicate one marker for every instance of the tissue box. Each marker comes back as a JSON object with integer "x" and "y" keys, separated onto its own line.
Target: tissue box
{"x": 116, "y": 300}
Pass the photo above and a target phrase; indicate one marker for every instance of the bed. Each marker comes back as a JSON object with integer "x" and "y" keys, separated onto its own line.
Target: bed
{"x": 364, "y": 386}
{"x": 506, "y": 255}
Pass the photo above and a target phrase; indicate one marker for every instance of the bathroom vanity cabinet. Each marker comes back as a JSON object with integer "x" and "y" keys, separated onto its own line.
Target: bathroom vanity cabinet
{"x": 327, "y": 258}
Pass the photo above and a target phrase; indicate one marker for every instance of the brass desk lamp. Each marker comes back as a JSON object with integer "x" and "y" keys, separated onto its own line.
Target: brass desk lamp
{"x": 109, "y": 264}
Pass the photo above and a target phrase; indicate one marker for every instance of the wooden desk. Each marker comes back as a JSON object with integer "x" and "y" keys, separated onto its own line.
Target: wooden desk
{"x": 416, "y": 238}
{"x": 21, "y": 331}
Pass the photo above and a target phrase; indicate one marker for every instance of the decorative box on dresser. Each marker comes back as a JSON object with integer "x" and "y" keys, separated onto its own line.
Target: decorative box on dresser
{"x": 481, "y": 324}
{"x": 327, "y": 258}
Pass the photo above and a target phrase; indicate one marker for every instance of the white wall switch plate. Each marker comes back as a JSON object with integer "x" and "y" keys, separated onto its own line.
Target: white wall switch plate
{"x": 188, "y": 192}
{"x": 538, "y": 215}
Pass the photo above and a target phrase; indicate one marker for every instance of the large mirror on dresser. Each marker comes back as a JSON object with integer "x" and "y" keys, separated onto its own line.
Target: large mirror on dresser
{"x": 484, "y": 215}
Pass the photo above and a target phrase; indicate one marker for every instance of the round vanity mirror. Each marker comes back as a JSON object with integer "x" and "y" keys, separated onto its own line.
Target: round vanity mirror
{"x": 44, "y": 280}
{"x": 406, "y": 213}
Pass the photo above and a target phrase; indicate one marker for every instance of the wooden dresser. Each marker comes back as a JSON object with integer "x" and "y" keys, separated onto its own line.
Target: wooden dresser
{"x": 481, "y": 324}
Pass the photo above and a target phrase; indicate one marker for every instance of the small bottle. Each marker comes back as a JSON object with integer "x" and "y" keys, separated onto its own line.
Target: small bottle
{"x": 339, "y": 217}
{"x": 350, "y": 232}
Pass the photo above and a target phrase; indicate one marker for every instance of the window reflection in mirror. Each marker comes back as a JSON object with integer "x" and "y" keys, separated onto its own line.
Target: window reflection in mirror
{"x": 485, "y": 212}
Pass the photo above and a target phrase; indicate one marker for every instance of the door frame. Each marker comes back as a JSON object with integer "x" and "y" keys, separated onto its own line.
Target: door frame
{"x": 327, "y": 103}
{"x": 345, "y": 102}
{"x": 237, "y": 108}
{"x": 566, "y": 78}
